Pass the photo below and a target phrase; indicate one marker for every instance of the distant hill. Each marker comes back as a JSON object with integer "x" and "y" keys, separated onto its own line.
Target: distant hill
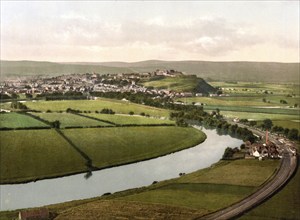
{"x": 238, "y": 71}
{"x": 180, "y": 84}
{"x": 222, "y": 71}
{"x": 25, "y": 68}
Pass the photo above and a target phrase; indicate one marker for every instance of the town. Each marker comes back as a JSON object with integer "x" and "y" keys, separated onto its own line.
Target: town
{"x": 91, "y": 82}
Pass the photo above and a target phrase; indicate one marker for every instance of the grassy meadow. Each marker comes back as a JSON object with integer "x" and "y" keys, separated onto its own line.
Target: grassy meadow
{"x": 127, "y": 120}
{"x": 122, "y": 107}
{"x": 187, "y": 197}
{"x": 36, "y": 154}
{"x": 284, "y": 205}
{"x": 112, "y": 146}
{"x": 180, "y": 84}
{"x": 70, "y": 120}
{"x": 15, "y": 120}
{"x": 255, "y": 101}
{"x": 212, "y": 188}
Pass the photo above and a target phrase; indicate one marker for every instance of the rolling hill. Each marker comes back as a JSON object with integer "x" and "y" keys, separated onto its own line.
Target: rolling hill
{"x": 25, "y": 68}
{"x": 181, "y": 84}
{"x": 238, "y": 71}
{"x": 222, "y": 71}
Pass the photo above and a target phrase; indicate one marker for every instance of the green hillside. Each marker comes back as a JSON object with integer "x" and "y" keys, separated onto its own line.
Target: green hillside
{"x": 237, "y": 71}
{"x": 180, "y": 84}
{"x": 222, "y": 71}
{"x": 25, "y": 68}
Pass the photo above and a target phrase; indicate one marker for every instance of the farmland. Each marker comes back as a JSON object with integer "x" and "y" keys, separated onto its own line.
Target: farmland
{"x": 59, "y": 152}
{"x": 194, "y": 194}
{"x": 118, "y": 106}
{"x": 190, "y": 195}
{"x": 36, "y": 154}
{"x": 70, "y": 120}
{"x": 254, "y": 101}
{"x": 112, "y": 146}
{"x": 284, "y": 205}
{"x": 15, "y": 120}
{"x": 127, "y": 120}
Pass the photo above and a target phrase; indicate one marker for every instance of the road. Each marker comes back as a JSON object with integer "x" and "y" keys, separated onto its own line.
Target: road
{"x": 287, "y": 167}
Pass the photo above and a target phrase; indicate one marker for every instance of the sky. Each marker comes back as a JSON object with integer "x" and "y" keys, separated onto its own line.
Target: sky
{"x": 100, "y": 31}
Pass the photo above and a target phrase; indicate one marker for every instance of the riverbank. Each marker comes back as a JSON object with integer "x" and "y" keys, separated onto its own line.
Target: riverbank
{"x": 51, "y": 156}
{"x": 193, "y": 195}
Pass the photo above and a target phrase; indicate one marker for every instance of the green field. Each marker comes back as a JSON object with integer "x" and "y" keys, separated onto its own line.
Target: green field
{"x": 284, "y": 205}
{"x": 204, "y": 197}
{"x": 111, "y": 146}
{"x": 238, "y": 172}
{"x": 179, "y": 84}
{"x": 15, "y": 120}
{"x": 126, "y": 120}
{"x": 118, "y": 106}
{"x": 258, "y": 88}
{"x": 251, "y": 101}
{"x": 212, "y": 188}
{"x": 70, "y": 120}
{"x": 33, "y": 154}
{"x": 288, "y": 124}
{"x": 28, "y": 155}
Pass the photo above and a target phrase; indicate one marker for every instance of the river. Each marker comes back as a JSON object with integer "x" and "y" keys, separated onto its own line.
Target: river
{"x": 115, "y": 179}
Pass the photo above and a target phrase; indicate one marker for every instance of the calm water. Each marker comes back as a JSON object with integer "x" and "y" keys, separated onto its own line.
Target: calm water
{"x": 115, "y": 179}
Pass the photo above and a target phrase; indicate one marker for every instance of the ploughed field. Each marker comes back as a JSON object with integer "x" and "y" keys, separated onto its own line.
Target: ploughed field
{"x": 31, "y": 149}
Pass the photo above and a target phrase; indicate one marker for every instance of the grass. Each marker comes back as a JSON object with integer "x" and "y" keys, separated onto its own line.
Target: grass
{"x": 238, "y": 172}
{"x": 209, "y": 189}
{"x": 34, "y": 154}
{"x": 284, "y": 205}
{"x": 179, "y": 84}
{"x": 125, "y": 119}
{"x": 114, "y": 146}
{"x": 258, "y": 116}
{"x": 258, "y": 88}
{"x": 15, "y": 120}
{"x": 205, "y": 197}
{"x": 253, "y": 101}
{"x": 285, "y": 111}
{"x": 69, "y": 120}
{"x": 118, "y": 106}
{"x": 187, "y": 197}
{"x": 288, "y": 123}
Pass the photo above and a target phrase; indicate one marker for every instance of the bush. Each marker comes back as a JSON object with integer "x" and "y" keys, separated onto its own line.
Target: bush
{"x": 131, "y": 113}
{"x": 107, "y": 111}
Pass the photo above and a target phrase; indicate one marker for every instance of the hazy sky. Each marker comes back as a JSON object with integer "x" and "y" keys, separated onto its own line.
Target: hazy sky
{"x": 99, "y": 31}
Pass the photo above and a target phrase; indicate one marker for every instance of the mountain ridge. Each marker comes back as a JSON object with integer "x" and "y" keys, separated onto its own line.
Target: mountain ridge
{"x": 220, "y": 71}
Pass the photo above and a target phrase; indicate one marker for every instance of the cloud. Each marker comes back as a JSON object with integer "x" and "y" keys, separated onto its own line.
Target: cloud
{"x": 208, "y": 36}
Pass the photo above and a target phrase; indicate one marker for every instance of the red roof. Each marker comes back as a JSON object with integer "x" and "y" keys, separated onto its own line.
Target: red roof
{"x": 42, "y": 213}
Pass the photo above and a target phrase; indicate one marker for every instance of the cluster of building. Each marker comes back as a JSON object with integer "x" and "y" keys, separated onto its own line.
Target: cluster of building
{"x": 87, "y": 82}
{"x": 268, "y": 149}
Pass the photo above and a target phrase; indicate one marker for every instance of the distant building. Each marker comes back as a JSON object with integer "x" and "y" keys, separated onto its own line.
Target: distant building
{"x": 34, "y": 214}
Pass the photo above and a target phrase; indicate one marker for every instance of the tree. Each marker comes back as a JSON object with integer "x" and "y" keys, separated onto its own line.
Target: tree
{"x": 14, "y": 96}
{"x": 181, "y": 122}
{"x": 131, "y": 113}
{"x": 55, "y": 124}
{"x": 28, "y": 95}
{"x": 253, "y": 123}
{"x": 264, "y": 100}
{"x": 293, "y": 134}
{"x": 267, "y": 124}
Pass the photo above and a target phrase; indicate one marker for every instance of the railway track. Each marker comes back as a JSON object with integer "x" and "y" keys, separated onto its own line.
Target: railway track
{"x": 287, "y": 168}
